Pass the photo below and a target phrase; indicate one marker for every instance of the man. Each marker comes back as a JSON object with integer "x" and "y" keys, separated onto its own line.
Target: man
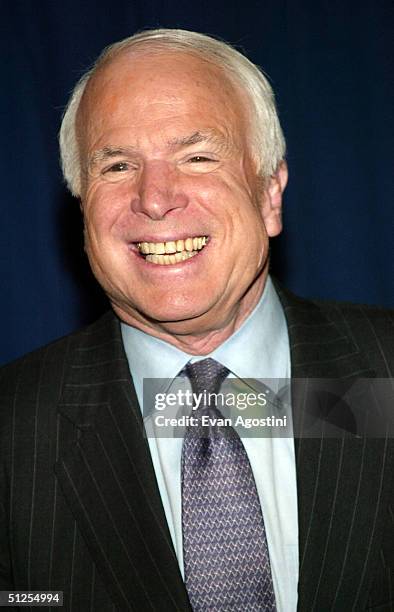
{"x": 173, "y": 145}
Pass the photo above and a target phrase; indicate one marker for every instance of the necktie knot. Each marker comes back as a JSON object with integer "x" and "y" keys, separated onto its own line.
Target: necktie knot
{"x": 206, "y": 375}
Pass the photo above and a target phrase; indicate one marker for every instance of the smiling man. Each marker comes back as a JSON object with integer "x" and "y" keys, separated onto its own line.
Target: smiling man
{"x": 168, "y": 170}
{"x": 173, "y": 145}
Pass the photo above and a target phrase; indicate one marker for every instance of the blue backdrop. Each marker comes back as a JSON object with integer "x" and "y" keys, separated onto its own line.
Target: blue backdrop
{"x": 330, "y": 65}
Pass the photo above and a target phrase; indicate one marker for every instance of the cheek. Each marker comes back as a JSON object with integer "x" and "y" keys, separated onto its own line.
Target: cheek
{"x": 250, "y": 238}
{"x": 104, "y": 209}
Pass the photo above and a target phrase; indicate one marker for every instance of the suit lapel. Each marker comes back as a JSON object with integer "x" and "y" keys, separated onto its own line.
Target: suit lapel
{"x": 340, "y": 480}
{"x": 106, "y": 474}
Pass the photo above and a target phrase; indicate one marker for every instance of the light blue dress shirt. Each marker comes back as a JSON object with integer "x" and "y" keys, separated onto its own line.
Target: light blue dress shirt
{"x": 258, "y": 349}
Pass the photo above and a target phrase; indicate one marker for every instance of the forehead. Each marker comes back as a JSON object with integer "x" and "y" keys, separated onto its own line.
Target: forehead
{"x": 145, "y": 91}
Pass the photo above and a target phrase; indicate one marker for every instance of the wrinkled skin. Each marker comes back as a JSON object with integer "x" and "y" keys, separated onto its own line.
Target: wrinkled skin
{"x": 165, "y": 155}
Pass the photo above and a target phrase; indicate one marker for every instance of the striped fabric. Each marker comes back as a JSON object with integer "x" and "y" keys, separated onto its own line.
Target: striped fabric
{"x": 80, "y": 508}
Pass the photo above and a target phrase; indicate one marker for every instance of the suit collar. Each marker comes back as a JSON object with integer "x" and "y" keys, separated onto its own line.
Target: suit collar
{"x": 326, "y": 364}
{"x": 106, "y": 474}
{"x": 320, "y": 343}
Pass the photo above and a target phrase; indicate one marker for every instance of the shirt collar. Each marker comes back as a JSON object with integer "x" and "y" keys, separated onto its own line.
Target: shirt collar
{"x": 260, "y": 347}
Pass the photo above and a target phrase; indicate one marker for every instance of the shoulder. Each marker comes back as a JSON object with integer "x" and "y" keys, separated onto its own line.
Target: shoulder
{"x": 371, "y": 322}
{"x": 367, "y": 329}
{"x": 370, "y": 328}
{"x": 340, "y": 312}
{"x": 32, "y": 387}
{"x": 43, "y": 368}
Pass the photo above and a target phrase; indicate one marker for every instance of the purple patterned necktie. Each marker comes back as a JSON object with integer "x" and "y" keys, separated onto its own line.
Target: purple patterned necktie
{"x": 227, "y": 566}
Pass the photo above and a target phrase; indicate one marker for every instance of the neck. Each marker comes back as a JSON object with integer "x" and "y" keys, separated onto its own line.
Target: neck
{"x": 197, "y": 342}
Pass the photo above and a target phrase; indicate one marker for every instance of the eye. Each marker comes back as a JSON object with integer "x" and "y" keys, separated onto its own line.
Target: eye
{"x": 199, "y": 159}
{"x": 118, "y": 167}
{"x": 203, "y": 163}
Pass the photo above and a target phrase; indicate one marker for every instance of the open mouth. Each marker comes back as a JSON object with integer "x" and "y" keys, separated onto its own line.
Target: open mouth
{"x": 173, "y": 251}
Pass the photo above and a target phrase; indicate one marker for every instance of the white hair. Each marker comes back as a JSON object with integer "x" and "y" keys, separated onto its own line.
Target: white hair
{"x": 267, "y": 141}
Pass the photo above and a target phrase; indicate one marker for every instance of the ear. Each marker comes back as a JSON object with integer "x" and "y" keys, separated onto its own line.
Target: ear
{"x": 272, "y": 200}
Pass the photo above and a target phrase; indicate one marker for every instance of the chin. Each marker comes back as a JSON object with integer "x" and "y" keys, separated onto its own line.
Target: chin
{"x": 174, "y": 313}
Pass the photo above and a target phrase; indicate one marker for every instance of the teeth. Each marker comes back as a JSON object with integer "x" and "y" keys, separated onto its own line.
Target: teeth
{"x": 168, "y": 248}
{"x": 165, "y": 260}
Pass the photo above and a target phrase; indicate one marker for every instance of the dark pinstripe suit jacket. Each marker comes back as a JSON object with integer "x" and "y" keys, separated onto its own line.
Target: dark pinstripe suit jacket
{"x": 81, "y": 511}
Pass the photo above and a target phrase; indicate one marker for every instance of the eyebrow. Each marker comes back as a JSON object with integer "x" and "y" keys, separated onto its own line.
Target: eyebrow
{"x": 195, "y": 138}
{"x": 109, "y": 152}
{"x": 209, "y": 136}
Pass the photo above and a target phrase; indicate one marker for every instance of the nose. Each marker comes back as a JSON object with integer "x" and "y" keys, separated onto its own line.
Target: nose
{"x": 158, "y": 191}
